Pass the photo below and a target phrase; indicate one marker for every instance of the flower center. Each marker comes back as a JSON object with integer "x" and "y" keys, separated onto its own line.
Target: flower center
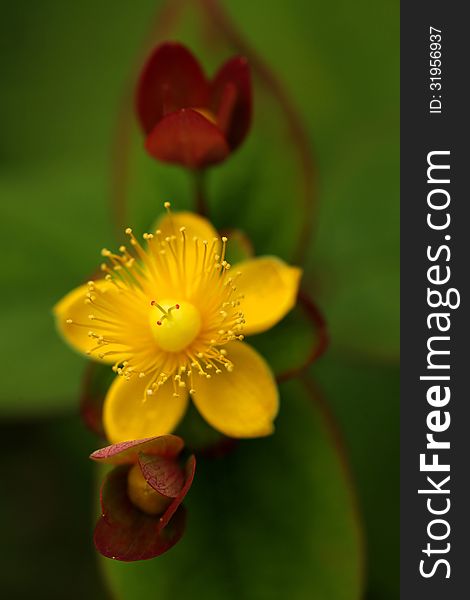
{"x": 176, "y": 325}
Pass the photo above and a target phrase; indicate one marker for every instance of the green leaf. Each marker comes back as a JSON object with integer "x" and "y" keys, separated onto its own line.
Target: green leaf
{"x": 289, "y": 344}
{"x": 366, "y": 402}
{"x": 349, "y": 104}
{"x": 274, "y": 519}
{"x": 97, "y": 380}
{"x": 48, "y": 258}
{"x": 61, "y": 91}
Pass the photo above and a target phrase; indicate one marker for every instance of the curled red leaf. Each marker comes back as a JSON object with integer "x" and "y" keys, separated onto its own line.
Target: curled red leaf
{"x": 125, "y": 533}
{"x": 163, "y": 475}
{"x": 125, "y": 530}
{"x": 165, "y": 446}
{"x": 174, "y": 506}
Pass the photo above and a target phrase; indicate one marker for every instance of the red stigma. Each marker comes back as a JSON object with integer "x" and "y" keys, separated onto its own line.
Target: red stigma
{"x": 152, "y": 303}
{"x": 177, "y": 306}
{"x": 159, "y": 322}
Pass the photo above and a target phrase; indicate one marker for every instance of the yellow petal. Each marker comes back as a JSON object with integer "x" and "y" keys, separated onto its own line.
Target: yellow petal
{"x": 242, "y": 403}
{"x": 270, "y": 289}
{"x": 129, "y": 414}
{"x": 196, "y": 226}
{"x": 73, "y": 307}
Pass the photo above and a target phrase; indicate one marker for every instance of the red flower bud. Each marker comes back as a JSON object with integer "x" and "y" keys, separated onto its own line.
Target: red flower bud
{"x": 187, "y": 119}
{"x": 140, "y": 499}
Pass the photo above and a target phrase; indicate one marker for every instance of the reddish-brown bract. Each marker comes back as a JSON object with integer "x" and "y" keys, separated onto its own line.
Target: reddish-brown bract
{"x": 188, "y": 119}
{"x": 123, "y": 531}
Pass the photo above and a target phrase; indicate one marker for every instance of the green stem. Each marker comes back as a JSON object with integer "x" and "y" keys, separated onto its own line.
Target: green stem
{"x": 200, "y": 192}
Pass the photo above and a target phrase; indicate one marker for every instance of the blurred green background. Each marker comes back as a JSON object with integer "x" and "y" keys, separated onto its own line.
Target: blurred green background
{"x": 65, "y": 69}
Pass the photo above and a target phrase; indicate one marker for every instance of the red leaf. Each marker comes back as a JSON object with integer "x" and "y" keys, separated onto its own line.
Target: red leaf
{"x": 125, "y": 533}
{"x": 165, "y": 476}
{"x": 171, "y": 79}
{"x": 173, "y": 507}
{"x": 186, "y": 137}
{"x": 126, "y": 453}
{"x": 231, "y": 99}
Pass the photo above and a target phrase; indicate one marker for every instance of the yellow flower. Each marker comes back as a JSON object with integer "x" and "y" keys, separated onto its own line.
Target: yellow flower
{"x": 170, "y": 316}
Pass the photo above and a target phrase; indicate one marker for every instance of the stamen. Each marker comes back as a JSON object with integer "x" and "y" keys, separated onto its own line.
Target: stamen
{"x": 224, "y": 246}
